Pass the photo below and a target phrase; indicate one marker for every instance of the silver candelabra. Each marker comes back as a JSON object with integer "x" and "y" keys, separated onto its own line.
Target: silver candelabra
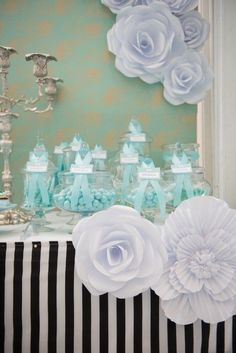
{"x": 47, "y": 88}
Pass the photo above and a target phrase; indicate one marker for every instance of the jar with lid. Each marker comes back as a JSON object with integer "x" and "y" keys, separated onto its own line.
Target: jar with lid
{"x": 85, "y": 193}
{"x": 124, "y": 170}
{"x": 39, "y": 179}
{"x": 84, "y": 190}
{"x": 39, "y": 182}
{"x": 182, "y": 186}
{"x": 147, "y": 195}
{"x": 140, "y": 140}
{"x": 59, "y": 159}
{"x": 70, "y": 151}
{"x": 99, "y": 156}
{"x": 191, "y": 150}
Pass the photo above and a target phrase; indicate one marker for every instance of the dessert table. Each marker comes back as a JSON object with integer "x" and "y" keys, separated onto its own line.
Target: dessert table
{"x": 45, "y": 308}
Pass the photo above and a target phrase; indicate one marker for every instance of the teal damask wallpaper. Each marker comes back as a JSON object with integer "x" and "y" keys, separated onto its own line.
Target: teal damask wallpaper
{"x": 95, "y": 99}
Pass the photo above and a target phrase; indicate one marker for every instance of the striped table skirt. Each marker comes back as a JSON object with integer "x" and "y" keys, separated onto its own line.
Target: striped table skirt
{"x": 45, "y": 308}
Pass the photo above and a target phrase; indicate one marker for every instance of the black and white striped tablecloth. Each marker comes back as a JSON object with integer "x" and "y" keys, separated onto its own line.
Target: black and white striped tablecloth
{"x": 45, "y": 309}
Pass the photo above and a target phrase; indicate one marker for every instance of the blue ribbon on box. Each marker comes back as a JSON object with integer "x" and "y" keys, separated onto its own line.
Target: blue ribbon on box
{"x": 183, "y": 180}
{"x": 81, "y": 181}
{"x": 148, "y": 165}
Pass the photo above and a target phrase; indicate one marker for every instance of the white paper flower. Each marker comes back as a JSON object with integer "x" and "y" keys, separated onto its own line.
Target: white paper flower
{"x": 145, "y": 39}
{"x": 196, "y": 29}
{"x": 187, "y": 79}
{"x": 118, "y": 251}
{"x": 199, "y": 280}
{"x": 117, "y": 5}
{"x": 179, "y": 7}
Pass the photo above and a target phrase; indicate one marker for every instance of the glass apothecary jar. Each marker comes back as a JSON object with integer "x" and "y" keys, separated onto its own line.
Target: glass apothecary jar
{"x": 59, "y": 159}
{"x": 39, "y": 183}
{"x": 135, "y": 135}
{"x": 191, "y": 150}
{"x": 99, "y": 156}
{"x": 148, "y": 194}
{"x": 39, "y": 180}
{"x": 85, "y": 193}
{"x": 182, "y": 186}
{"x": 69, "y": 152}
{"x": 38, "y": 189}
{"x": 124, "y": 170}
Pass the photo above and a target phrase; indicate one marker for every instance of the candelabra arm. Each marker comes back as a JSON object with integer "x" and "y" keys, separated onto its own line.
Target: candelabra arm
{"x": 37, "y": 111}
{"x": 6, "y": 103}
{"x": 3, "y": 74}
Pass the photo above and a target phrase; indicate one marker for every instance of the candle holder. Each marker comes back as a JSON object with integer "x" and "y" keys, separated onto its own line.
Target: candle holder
{"x": 47, "y": 88}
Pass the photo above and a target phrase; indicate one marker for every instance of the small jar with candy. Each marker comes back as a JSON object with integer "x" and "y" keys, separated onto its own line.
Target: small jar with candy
{"x": 39, "y": 183}
{"x": 87, "y": 191}
{"x": 99, "y": 156}
{"x": 70, "y": 151}
{"x": 140, "y": 140}
{"x": 125, "y": 170}
{"x": 59, "y": 159}
{"x": 134, "y": 146}
{"x": 184, "y": 182}
{"x": 191, "y": 150}
{"x": 148, "y": 193}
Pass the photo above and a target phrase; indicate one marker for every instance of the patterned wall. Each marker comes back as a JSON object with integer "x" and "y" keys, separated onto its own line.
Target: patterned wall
{"x": 95, "y": 100}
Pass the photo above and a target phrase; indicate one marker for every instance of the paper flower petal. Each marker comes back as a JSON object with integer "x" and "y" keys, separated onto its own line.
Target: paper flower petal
{"x": 118, "y": 251}
{"x": 187, "y": 79}
{"x": 118, "y": 5}
{"x": 145, "y": 39}
{"x": 196, "y": 29}
{"x": 200, "y": 237}
{"x": 209, "y": 310}
{"x": 179, "y": 7}
{"x": 179, "y": 310}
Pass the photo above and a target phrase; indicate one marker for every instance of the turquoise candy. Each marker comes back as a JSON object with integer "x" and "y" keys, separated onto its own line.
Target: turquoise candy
{"x": 96, "y": 204}
{"x": 104, "y": 200}
{"x": 199, "y": 192}
{"x": 150, "y": 199}
{"x": 67, "y": 205}
{"x": 98, "y": 195}
{"x": 149, "y": 195}
{"x": 101, "y": 199}
{"x": 81, "y": 201}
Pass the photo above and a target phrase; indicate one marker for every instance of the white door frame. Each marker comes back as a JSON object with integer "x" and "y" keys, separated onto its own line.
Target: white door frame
{"x": 215, "y": 115}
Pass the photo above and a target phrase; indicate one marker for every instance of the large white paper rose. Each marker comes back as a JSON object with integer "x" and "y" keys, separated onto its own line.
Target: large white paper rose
{"x": 117, "y": 5}
{"x": 145, "y": 39}
{"x": 199, "y": 280}
{"x": 187, "y": 79}
{"x": 118, "y": 251}
{"x": 179, "y": 7}
{"x": 196, "y": 29}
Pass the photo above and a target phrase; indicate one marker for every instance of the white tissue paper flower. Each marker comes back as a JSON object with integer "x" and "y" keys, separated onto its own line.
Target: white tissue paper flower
{"x": 179, "y": 7}
{"x": 187, "y": 79}
{"x": 117, "y": 5}
{"x": 199, "y": 280}
{"x": 196, "y": 29}
{"x": 118, "y": 251}
{"x": 145, "y": 39}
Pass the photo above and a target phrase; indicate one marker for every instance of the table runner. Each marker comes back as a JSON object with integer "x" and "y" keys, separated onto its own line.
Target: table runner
{"x": 45, "y": 308}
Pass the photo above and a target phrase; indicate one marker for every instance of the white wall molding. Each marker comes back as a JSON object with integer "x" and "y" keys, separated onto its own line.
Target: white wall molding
{"x": 217, "y": 114}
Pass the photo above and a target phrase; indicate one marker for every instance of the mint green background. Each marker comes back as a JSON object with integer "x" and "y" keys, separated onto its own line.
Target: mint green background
{"x": 95, "y": 99}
